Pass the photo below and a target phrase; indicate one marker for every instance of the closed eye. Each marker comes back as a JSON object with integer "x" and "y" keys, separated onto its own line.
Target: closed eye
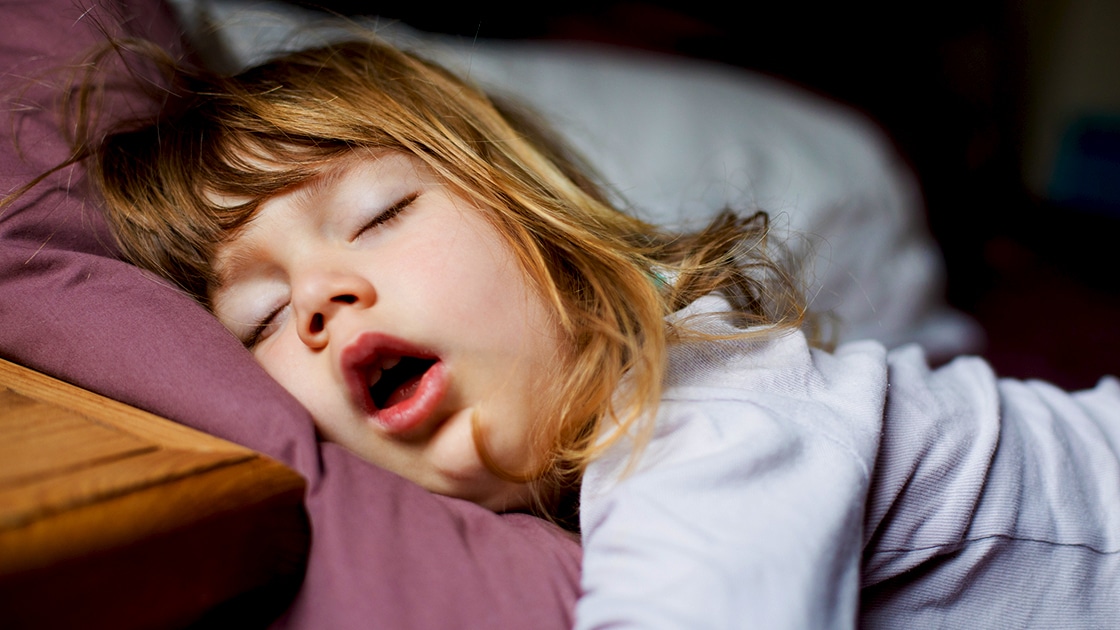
{"x": 264, "y": 328}
{"x": 388, "y": 215}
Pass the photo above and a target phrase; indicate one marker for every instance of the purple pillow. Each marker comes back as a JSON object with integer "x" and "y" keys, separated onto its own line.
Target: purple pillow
{"x": 384, "y": 551}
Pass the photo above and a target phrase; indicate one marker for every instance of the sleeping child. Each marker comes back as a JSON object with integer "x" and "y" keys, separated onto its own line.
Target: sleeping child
{"x": 445, "y": 288}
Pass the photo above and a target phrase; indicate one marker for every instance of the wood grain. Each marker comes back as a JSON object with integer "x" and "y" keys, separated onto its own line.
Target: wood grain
{"x": 113, "y": 517}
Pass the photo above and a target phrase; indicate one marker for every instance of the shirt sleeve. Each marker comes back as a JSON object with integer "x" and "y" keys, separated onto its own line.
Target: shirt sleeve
{"x": 745, "y": 508}
{"x": 736, "y": 516}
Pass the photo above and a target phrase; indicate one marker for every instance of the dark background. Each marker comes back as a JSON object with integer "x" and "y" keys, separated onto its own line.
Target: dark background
{"x": 954, "y": 83}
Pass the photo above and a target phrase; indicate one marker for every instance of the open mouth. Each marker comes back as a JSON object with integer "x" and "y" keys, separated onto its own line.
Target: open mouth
{"x": 398, "y": 385}
{"x": 396, "y": 379}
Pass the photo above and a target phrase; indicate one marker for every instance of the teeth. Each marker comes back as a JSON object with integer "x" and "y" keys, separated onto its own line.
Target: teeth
{"x": 387, "y": 363}
{"x": 376, "y": 371}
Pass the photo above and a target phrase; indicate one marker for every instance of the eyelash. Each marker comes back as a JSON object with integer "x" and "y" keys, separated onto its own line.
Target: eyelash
{"x": 389, "y": 214}
{"x": 258, "y": 331}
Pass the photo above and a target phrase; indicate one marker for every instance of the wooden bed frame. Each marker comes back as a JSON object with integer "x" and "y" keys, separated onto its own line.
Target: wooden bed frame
{"x": 113, "y": 517}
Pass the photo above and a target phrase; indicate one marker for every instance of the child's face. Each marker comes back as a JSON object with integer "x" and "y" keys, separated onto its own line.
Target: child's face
{"x": 394, "y": 311}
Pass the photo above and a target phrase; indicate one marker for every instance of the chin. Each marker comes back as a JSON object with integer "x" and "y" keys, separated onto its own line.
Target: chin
{"x": 493, "y": 493}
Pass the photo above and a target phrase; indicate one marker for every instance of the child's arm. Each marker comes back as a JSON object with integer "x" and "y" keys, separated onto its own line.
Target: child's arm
{"x": 747, "y": 507}
{"x": 789, "y": 489}
{"x": 760, "y": 530}
{"x": 743, "y": 538}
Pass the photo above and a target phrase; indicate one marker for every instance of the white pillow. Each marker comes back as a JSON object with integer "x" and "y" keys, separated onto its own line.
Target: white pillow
{"x": 680, "y": 140}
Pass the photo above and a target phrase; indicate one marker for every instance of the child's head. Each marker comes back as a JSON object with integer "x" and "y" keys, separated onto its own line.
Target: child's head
{"x": 345, "y": 207}
{"x": 398, "y": 315}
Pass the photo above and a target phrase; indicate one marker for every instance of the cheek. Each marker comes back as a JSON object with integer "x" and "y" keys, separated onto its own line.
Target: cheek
{"x": 302, "y": 381}
{"x": 453, "y": 452}
{"x": 469, "y": 276}
{"x": 276, "y": 357}
{"x": 527, "y": 388}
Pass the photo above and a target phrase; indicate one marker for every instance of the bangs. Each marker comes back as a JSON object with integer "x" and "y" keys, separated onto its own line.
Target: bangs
{"x": 237, "y": 169}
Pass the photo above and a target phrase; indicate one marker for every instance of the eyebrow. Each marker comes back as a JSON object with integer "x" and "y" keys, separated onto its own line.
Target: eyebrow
{"x": 232, "y": 266}
{"x": 306, "y": 191}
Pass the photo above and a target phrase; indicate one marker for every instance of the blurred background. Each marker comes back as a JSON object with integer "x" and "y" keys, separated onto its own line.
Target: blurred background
{"x": 1008, "y": 111}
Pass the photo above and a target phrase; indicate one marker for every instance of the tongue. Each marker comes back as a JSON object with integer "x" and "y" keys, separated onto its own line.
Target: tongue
{"x": 405, "y": 391}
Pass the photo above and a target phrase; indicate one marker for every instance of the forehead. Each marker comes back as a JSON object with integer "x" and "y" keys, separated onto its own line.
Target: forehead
{"x": 360, "y": 181}
{"x": 240, "y": 243}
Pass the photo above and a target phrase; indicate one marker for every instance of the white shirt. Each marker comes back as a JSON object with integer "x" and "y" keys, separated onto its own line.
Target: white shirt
{"x": 786, "y": 487}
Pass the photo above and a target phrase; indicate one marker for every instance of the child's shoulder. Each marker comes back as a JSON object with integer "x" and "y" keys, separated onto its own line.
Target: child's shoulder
{"x": 716, "y": 352}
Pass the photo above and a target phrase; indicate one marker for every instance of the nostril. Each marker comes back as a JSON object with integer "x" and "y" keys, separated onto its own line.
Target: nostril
{"x": 316, "y": 323}
{"x": 345, "y": 299}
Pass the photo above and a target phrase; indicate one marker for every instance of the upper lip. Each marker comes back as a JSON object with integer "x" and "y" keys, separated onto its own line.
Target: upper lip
{"x": 367, "y": 352}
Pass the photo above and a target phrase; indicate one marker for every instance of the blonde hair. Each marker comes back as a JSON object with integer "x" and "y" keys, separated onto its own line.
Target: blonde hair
{"x": 602, "y": 271}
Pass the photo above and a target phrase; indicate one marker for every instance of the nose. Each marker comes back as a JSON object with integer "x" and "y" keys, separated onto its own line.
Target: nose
{"x": 319, "y": 296}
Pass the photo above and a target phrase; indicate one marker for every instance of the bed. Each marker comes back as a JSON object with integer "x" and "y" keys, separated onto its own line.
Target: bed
{"x": 675, "y": 139}
{"x": 111, "y": 517}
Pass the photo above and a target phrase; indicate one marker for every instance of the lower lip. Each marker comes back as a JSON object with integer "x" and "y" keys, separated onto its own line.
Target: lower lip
{"x": 410, "y": 413}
